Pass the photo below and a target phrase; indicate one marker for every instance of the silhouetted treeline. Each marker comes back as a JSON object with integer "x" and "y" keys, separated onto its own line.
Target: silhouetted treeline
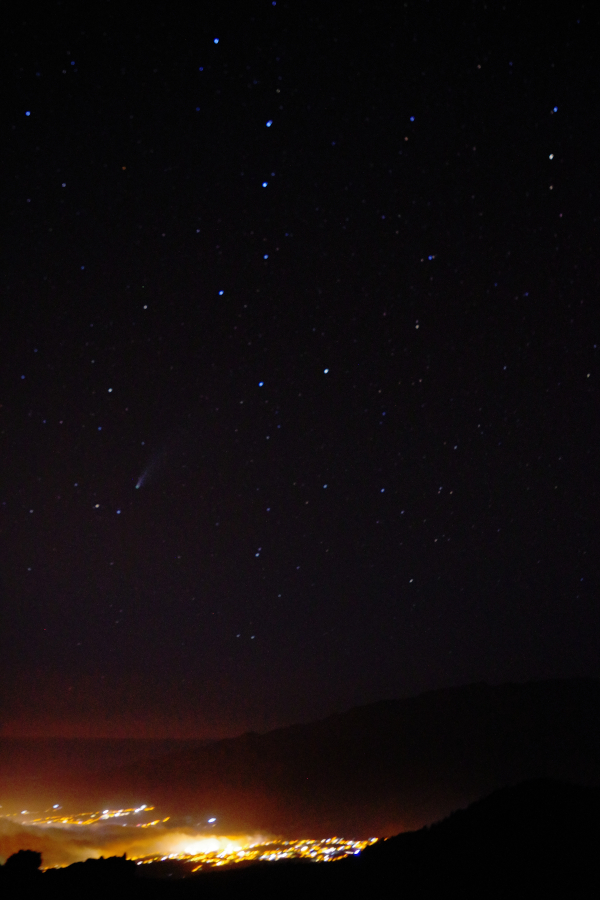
{"x": 535, "y": 840}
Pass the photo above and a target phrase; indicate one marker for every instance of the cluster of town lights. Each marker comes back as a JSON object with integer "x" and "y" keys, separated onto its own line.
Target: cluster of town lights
{"x": 318, "y": 851}
{"x": 93, "y": 818}
{"x": 202, "y": 851}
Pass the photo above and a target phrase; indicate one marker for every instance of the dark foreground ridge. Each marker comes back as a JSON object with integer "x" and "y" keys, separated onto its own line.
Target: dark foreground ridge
{"x": 541, "y": 835}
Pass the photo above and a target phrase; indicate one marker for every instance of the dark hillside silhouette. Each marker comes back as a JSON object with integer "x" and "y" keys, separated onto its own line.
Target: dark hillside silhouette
{"x": 383, "y": 768}
{"x": 113, "y": 871}
{"x": 543, "y": 835}
{"x": 534, "y": 840}
{"x": 23, "y": 864}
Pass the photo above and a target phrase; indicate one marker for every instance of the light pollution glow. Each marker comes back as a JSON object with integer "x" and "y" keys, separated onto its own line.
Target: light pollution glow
{"x": 65, "y": 839}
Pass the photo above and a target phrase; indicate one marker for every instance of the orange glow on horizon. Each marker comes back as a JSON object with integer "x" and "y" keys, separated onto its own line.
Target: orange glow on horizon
{"x": 63, "y": 839}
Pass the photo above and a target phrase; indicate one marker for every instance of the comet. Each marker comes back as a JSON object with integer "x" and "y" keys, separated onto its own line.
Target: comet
{"x": 155, "y": 463}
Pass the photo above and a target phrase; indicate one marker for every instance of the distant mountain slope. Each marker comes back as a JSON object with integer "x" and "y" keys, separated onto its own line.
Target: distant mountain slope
{"x": 37, "y": 772}
{"x": 379, "y": 769}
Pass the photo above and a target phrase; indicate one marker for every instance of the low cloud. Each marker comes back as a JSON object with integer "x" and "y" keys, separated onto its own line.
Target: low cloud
{"x": 61, "y": 846}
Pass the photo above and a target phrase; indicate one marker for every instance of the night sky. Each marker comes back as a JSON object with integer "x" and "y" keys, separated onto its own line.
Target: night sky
{"x": 299, "y": 353}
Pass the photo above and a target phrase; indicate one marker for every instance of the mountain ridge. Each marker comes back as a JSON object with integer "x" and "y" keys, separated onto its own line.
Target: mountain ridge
{"x": 381, "y": 768}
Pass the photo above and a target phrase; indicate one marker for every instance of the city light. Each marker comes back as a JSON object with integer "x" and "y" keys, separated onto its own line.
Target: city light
{"x": 197, "y": 849}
